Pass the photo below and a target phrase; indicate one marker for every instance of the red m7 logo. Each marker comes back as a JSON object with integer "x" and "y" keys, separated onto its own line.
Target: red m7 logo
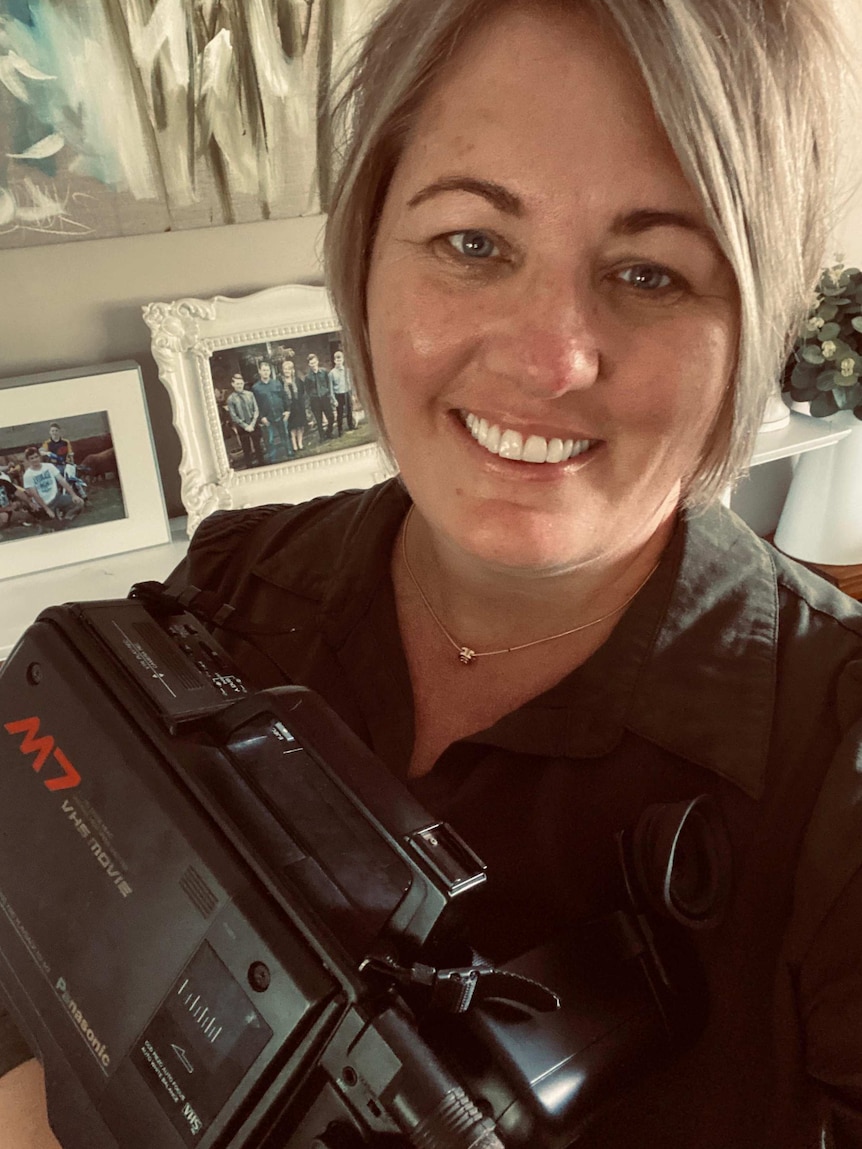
{"x": 44, "y": 748}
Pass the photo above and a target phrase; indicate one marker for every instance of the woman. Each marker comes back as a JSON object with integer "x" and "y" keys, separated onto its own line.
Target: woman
{"x": 567, "y": 246}
{"x": 297, "y": 411}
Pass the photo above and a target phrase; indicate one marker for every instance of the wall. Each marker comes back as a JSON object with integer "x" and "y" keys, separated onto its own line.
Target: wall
{"x": 848, "y": 229}
{"x": 760, "y": 497}
{"x": 76, "y": 304}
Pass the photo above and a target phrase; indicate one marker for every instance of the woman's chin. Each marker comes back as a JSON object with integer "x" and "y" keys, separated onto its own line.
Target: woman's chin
{"x": 526, "y": 544}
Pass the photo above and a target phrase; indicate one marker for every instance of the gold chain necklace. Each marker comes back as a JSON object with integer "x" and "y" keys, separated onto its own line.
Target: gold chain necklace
{"x": 466, "y": 655}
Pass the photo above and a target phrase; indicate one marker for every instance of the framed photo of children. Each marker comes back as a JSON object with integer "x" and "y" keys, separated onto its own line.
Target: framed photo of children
{"x": 264, "y": 399}
{"x": 78, "y": 474}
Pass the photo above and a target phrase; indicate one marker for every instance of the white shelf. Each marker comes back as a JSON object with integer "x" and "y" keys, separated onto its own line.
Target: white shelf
{"x": 21, "y": 599}
{"x": 801, "y": 434}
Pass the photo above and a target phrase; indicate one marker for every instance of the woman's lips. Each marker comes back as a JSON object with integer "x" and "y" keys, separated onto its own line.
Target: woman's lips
{"x": 511, "y": 444}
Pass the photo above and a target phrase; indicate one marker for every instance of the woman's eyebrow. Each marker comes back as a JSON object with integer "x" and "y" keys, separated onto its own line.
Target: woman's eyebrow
{"x": 495, "y": 194}
{"x": 628, "y": 223}
{"x": 635, "y": 222}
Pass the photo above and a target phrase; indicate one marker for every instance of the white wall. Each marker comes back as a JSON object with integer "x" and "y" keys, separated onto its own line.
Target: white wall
{"x": 848, "y": 231}
{"x": 78, "y": 304}
{"x": 760, "y": 497}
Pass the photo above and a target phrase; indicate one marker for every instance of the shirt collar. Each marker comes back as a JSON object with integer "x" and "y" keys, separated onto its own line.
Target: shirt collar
{"x": 690, "y": 666}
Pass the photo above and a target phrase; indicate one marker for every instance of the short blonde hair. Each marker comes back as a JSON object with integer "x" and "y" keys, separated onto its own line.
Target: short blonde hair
{"x": 745, "y": 91}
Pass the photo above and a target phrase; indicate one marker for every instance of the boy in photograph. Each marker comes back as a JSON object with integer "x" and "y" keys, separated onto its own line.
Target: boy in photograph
{"x": 49, "y": 486}
{"x": 318, "y": 388}
{"x": 244, "y": 413}
{"x": 272, "y": 402}
{"x": 57, "y": 449}
{"x": 339, "y": 380}
{"x": 14, "y": 507}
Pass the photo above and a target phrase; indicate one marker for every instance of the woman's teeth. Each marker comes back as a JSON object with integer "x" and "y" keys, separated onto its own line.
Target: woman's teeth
{"x": 512, "y": 445}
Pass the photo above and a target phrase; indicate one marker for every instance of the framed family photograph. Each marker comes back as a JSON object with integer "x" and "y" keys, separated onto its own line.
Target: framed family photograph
{"x": 264, "y": 400}
{"x": 78, "y": 473}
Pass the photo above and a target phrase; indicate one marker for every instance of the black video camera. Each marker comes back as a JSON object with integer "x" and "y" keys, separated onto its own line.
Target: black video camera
{"x": 223, "y": 923}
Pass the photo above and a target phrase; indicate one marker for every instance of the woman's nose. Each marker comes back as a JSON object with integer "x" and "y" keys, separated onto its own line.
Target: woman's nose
{"x": 548, "y": 339}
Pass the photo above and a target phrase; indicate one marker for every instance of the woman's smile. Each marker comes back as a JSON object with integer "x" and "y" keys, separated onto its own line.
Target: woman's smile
{"x": 525, "y": 447}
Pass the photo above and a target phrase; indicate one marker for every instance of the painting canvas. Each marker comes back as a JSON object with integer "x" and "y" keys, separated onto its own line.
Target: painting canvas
{"x": 119, "y": 117}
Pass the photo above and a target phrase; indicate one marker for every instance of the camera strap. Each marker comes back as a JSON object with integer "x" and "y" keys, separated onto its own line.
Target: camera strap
{"x": 456, "y": 990}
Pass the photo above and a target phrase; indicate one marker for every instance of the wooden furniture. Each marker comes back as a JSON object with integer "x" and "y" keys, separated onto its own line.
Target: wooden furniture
{"x": 846, "y": 578}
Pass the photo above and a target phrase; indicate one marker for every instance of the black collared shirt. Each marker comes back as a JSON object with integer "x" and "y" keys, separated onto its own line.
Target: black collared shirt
{"x": 734, "y": 673}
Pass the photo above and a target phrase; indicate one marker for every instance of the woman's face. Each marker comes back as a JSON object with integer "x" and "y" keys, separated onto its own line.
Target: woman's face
{"x": 543, "y": 270}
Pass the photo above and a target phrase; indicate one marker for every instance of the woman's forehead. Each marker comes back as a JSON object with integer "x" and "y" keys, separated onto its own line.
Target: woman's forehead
{"x": 545, "y": 97}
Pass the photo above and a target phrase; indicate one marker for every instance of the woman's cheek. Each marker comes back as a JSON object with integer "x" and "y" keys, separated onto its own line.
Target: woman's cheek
{"x": 424, "y": 335}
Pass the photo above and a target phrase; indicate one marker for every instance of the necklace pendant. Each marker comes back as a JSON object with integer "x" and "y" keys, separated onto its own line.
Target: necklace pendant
{"x": 466, "y": 655}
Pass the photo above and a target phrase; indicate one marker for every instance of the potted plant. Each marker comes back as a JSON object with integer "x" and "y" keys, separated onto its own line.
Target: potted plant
{"x": 821, "y": 521}
{"x": 825, "y": 368}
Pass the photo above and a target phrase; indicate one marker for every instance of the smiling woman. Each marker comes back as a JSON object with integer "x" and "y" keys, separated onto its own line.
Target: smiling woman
{"x": 553, "y": 299}
{"x": 569, "y": 242}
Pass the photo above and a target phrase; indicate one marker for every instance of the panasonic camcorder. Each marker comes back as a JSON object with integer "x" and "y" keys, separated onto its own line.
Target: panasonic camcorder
{"x": 225, "y": 924}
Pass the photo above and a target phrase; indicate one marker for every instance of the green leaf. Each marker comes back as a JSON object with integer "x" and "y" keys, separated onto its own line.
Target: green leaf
{"x": 844, "y": 400}
{"x": 812, "y": 354}
{"x": 829, "y": 331}
{"x": 856, "y": 322}
{"x": 826, "y": 380}
{"x": 827, "y": 311}
{"x": 824, "y": 405}
{"x": 845, "y": 381}
{"x": 805, "y": 375}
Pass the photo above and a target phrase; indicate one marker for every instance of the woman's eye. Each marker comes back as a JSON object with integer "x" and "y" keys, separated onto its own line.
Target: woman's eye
{"x": 473, "y": 244}
{"x": 647, "y": 277}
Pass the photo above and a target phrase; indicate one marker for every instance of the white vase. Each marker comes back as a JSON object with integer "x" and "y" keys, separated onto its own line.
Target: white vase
{"x": 821, "y": 521}
{"x": 776, "y": 414}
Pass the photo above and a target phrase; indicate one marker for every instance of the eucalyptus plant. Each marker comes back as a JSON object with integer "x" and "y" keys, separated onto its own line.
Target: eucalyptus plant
{"x": 825, "y": 368}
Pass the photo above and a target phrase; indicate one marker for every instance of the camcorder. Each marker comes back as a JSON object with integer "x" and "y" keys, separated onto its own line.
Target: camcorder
{"x": 224, "y": 923}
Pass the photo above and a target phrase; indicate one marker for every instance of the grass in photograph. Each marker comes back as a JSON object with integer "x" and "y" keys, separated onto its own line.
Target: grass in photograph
{"x": 104, "y": 505}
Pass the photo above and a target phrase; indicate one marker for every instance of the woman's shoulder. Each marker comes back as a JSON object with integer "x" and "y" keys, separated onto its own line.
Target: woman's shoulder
{"x": 722, "y": 549}
{"x": 228, "y": 544}
{"x": 813, "y": 588}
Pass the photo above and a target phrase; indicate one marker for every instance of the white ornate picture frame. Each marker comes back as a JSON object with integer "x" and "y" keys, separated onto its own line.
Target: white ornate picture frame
{"x": 200, "y": 345}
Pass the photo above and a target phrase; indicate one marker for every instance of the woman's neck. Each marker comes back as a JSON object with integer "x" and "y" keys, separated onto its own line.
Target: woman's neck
{"x": 487, "y": 607}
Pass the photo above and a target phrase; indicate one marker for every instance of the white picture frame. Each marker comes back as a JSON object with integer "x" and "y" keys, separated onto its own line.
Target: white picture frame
{"x": 100, "y": 407}
{"x": 198, "y": 343}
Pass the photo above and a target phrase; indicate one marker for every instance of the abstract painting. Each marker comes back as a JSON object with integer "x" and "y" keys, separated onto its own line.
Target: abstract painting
{"x": 119, "y": 117}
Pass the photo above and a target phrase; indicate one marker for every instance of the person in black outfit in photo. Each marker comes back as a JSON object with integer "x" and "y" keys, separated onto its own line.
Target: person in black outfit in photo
{"x": 319, "y": 391}
{"x": 244, "y": 414}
